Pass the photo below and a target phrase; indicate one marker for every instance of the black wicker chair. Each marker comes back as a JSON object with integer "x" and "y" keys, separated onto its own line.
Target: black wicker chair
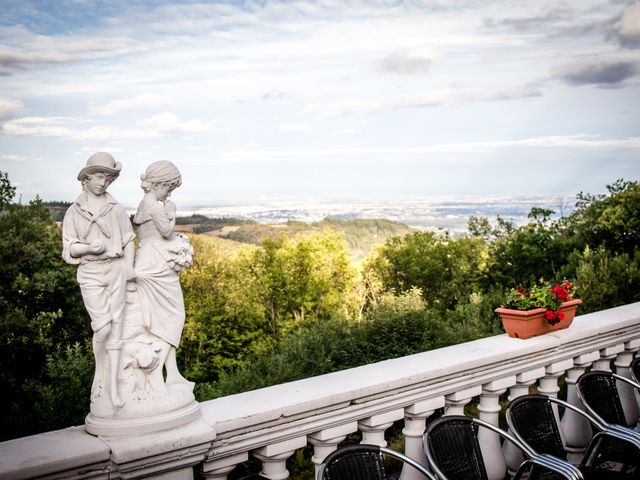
{"x": 612, "y": 453}
{"x": 452, "y": 448}
{"x": 363, "y": 462}
{"x": 598, "y": 391}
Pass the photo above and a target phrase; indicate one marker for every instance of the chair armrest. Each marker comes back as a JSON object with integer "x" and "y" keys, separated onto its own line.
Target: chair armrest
{"x": 595, "y": 420}
{"x": 548, "y": 461}
{"x": 408, "y": 460}
{"x": 518, "y": 442}
{"x": 610, "y": 432}
{"x": 554, "y": 464}
{"x": 633, "y": 436}
{"x": 626, "y": 380}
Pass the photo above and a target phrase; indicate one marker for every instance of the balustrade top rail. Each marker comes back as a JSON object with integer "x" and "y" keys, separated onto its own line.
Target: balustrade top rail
{"x": 402, "y": 381}
{"x": 274, "y": 419}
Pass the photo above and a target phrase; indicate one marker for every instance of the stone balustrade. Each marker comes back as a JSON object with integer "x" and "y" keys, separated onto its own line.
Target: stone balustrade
{"x": 270, "y": 424}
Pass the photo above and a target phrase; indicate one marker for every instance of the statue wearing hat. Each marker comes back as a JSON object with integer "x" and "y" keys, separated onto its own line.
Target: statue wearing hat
{"x": 137, "y": 315}
{"x": 98, "y": 237}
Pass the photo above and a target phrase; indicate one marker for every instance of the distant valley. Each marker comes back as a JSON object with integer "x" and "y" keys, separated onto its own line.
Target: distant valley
{"x": 439, "y": 213}
{"x": 364, "y": 224}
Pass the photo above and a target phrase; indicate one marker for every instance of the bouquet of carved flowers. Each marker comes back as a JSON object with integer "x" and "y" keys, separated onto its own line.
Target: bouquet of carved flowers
{"x": 181, "y": 253}
{"x": 545, "y": 296}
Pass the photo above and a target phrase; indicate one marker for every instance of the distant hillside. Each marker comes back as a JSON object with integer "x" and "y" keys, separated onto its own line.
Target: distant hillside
{"x": 362, "y": 235}
{"x": 57, "y": 209}
{"x": 197, "y": 223}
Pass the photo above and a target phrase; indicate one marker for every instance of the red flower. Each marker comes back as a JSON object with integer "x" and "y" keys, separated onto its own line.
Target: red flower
{"x": 550, "y": 316}
{"x": 560, "y": 293}
{"x": 560, "y": 314}
{"x": 527, "y": 294}
{"x": 520, "y": 290}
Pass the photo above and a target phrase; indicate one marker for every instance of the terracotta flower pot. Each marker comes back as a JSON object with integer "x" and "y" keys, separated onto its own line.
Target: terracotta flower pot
{"x": 529, "y": 323}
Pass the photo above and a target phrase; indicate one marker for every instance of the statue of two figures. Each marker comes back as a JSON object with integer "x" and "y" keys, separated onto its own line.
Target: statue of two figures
{"x": 133, "y": 298}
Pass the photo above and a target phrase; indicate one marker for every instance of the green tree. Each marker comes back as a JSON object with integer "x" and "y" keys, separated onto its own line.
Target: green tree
{"x": 7, "y": 191}
{"x": 605, "y": 279}
{"x": 445, "y": 270}
{"x": 527, "y": 254}
{"x": 241, "y": 300}
{"x": 61, "y": 398}
{"x": 309, "y": 275}
{"x": 40, "y": 309}
{"x": 611, "y": 220}
{"x": 393, "y": 327}
{"x": 225, "y": 318}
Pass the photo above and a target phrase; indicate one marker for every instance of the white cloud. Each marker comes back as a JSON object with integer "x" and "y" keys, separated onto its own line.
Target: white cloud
{"x": 9, "y": 106}
{"x": 64, "y": 127}
{"x": 436, "y": 98}
{"x": 37, "y": 127}
{"x": 345, "y": 131}
{"x": 627, "y": 28}
{"x": 144, "y": 101}
{"x": 21, "y": 49}
{"x": 595, "y": 71}
{"x": 404, "y": 64}
{"x": 170, "y": 123}
{"x": 578, "y": 141}
{"x": 11, "y": 59}
{"x": 7, "y": 157}
{"x": 416, "y": 61}
{"x": 556, "y": 142}
{"x": 295, "y": 127}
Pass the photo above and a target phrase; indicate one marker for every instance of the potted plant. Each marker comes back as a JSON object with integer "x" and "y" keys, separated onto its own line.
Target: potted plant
{"x": 539, "y": 309}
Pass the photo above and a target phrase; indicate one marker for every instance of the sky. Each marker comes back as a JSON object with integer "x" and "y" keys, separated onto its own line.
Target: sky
{"x": 322, "y": 99}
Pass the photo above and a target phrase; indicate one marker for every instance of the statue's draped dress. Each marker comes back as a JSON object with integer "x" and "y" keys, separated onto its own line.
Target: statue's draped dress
{"x": 161, "y": 301}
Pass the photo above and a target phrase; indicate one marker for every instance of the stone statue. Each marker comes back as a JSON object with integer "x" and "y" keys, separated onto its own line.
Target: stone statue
{"x": 161, "y": 255}
{"x": 136, "y": 307}
{"x": 98, "y": 237}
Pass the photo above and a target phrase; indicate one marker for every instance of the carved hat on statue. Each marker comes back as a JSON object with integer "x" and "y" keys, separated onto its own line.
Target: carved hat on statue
{"x": 161, "y": 172}
{"x": 101, "y": 162}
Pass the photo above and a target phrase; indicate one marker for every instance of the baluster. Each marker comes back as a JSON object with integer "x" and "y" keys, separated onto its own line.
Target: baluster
{"x": 414, "y": 427}
{"x": 512, "y": 454}
{"x": 626, "y": 391}
{"x": 326, "y": 441}
{"x": 489, "y": 409}
{"x": 606, "y": 355}
{"x": 576, "y": 428}
{"x": 548, "y": 385}
{"x": 220, "y": 467}
{"x": 274, "y": 457}
{"x": 455, "y": 402}
{"x": 373, "y": 428}
{"x": 633, "y": 346}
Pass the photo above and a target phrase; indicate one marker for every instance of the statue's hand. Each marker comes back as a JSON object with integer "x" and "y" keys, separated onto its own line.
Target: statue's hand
{"x": 97, "y": 246}
{"x": 170, "y": 208}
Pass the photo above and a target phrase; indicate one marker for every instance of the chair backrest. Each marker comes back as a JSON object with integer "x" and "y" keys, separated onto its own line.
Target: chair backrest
{"x": 364, "y": 462}
{"x": 599, "y": 394}
{"x": 452, "y": 448}
{"x": 532, "y": 419}
{"x": 354, "y": 462}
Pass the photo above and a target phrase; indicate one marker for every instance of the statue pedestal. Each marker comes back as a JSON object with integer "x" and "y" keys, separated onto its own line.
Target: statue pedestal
{"x": 120, "y": 426}
{"x": 149, "y": 403}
